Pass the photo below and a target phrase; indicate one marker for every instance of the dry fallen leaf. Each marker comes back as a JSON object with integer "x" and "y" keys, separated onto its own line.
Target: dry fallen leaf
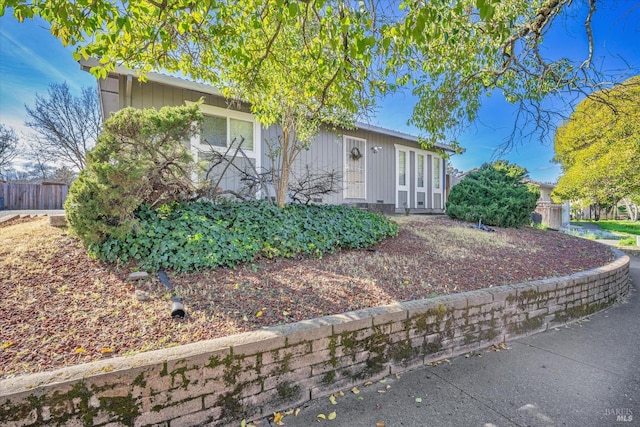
{"x": 355, "y": 390}
{"x": 368, "y": 383}
{"x": 321, "y": 417}
{"x": 277, "y": 418}
{"x": 259, "y": 314}
{"x": 79, "y": 350}
{"x": 418, "y": 400}
{"x": 380, "y": 424}
{"x": 333, "y": 400}
{"x": 296, "y": 412}
{"x": 7, "y": 344}
{"x": 332, "y": 416}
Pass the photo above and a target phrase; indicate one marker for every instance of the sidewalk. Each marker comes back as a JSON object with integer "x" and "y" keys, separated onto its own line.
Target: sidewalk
{"x": 586, "y": 374}
{"x": 7, "y": 215}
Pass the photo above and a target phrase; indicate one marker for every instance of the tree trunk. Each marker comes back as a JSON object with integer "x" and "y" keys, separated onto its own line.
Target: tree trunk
{"x": 281, "y": 183}
{"x": 631, "y": 209}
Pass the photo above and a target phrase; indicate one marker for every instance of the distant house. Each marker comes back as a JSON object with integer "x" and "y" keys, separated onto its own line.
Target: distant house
{"x": 380, "y": 169}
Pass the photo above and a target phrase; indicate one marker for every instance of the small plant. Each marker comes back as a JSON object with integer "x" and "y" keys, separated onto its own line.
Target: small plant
{"x": 407, "y": 209}
{"x": 628, "y": 241}
{"x": 539, "y": 226}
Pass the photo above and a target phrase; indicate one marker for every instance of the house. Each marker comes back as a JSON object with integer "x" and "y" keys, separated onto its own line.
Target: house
{"x": 380, "y": 169}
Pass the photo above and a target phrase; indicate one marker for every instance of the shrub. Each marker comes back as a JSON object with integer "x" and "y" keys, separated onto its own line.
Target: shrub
{"x": 198, "y": 235}
{"x": 494, "y": 194}
{"x": 139, "y": 159}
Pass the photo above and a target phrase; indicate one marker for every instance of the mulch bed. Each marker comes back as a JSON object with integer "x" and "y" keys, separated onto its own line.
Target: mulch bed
{"x": 61, "y": 307}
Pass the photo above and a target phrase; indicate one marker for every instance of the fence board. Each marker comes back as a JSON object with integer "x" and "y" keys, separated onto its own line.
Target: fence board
{"x": 33, "y": 196}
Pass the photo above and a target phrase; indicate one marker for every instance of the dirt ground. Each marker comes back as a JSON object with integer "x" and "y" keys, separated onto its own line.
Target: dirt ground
{"x": 61, "y": 307}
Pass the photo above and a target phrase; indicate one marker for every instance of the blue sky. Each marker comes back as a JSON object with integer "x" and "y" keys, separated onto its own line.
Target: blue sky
{"x": 31, "y": 59}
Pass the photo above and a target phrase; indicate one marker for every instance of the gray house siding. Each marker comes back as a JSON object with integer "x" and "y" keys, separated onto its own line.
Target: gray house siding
{"x": 327, "y": 153}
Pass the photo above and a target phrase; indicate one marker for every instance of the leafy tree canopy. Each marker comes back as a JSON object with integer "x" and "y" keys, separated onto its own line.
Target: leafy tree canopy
{"x": 599, "y": 147}
{"x": 326, "y": 59}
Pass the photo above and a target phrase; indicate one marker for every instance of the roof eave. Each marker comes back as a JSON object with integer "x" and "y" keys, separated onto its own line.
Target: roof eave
{"x": 87, "y": 64}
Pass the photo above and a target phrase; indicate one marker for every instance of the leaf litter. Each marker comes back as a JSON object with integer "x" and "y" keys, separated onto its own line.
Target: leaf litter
{"x": 62, "y": 307}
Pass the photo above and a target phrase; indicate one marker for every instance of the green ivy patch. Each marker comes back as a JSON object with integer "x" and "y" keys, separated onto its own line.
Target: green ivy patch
{"x": 201, "y": 235}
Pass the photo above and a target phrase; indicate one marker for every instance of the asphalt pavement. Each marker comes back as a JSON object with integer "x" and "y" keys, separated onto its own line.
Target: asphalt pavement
{"x": 585, "y": 374}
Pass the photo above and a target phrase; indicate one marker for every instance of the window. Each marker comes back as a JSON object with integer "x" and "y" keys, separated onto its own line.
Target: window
{"x": 239, "y": 129}
{"x": 354, "y": 168}
{"x": 420, "y": 171}
{"x": 214, "y": 131}
{"x": 222, "y": 128}
{"x": 402, "y": 168}
{"x": 226, "y": 131}
{"x": 436, "y": 173}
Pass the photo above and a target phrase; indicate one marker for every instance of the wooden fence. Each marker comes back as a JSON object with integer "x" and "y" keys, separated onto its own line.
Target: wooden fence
{"x": 33, "y": 196}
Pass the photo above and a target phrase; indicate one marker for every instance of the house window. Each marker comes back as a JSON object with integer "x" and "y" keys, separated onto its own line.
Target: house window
{"x": 402, "y": 168}
{"x": 239, "y": 129}
{"x": 226, "y": 131}
{"x": 223, "y": 128}
{"x": 436, "y": 173}
{"x": 420, "y": 170}
{"x": 214, "y": 131}
{"x": 355, "y": 167}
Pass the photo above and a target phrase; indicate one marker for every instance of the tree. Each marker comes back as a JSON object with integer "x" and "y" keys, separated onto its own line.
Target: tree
{"x": 494, "y": 194}
{"x": 139, "y": 159}
{"x": 8, "y": 146}
{"x": 303, "y": 63}
{"x": 66, "y": 126}
{"x": 599, "y": 149}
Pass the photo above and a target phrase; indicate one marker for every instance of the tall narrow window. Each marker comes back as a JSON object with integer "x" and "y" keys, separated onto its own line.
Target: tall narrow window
{"x": 355, "y": 168}
{"x": 436, "y": 173}
{"x": 420, "y": 171}
{"x": 402, "y": 168}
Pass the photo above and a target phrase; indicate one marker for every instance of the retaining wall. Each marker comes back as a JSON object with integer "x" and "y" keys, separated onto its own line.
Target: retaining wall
{"x": 222, "y": 381}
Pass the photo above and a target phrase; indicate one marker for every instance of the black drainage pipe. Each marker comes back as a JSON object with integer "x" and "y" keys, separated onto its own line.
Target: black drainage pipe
{"x": 177, "y": 308}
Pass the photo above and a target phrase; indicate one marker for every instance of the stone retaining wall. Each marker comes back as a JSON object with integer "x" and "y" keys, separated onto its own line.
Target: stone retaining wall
{"x": 222, "y": 381}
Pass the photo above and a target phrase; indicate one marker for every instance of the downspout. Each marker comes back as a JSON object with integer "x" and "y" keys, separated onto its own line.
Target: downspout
{"x": 127, "y": 90}
{"x": 177, "y": 308}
